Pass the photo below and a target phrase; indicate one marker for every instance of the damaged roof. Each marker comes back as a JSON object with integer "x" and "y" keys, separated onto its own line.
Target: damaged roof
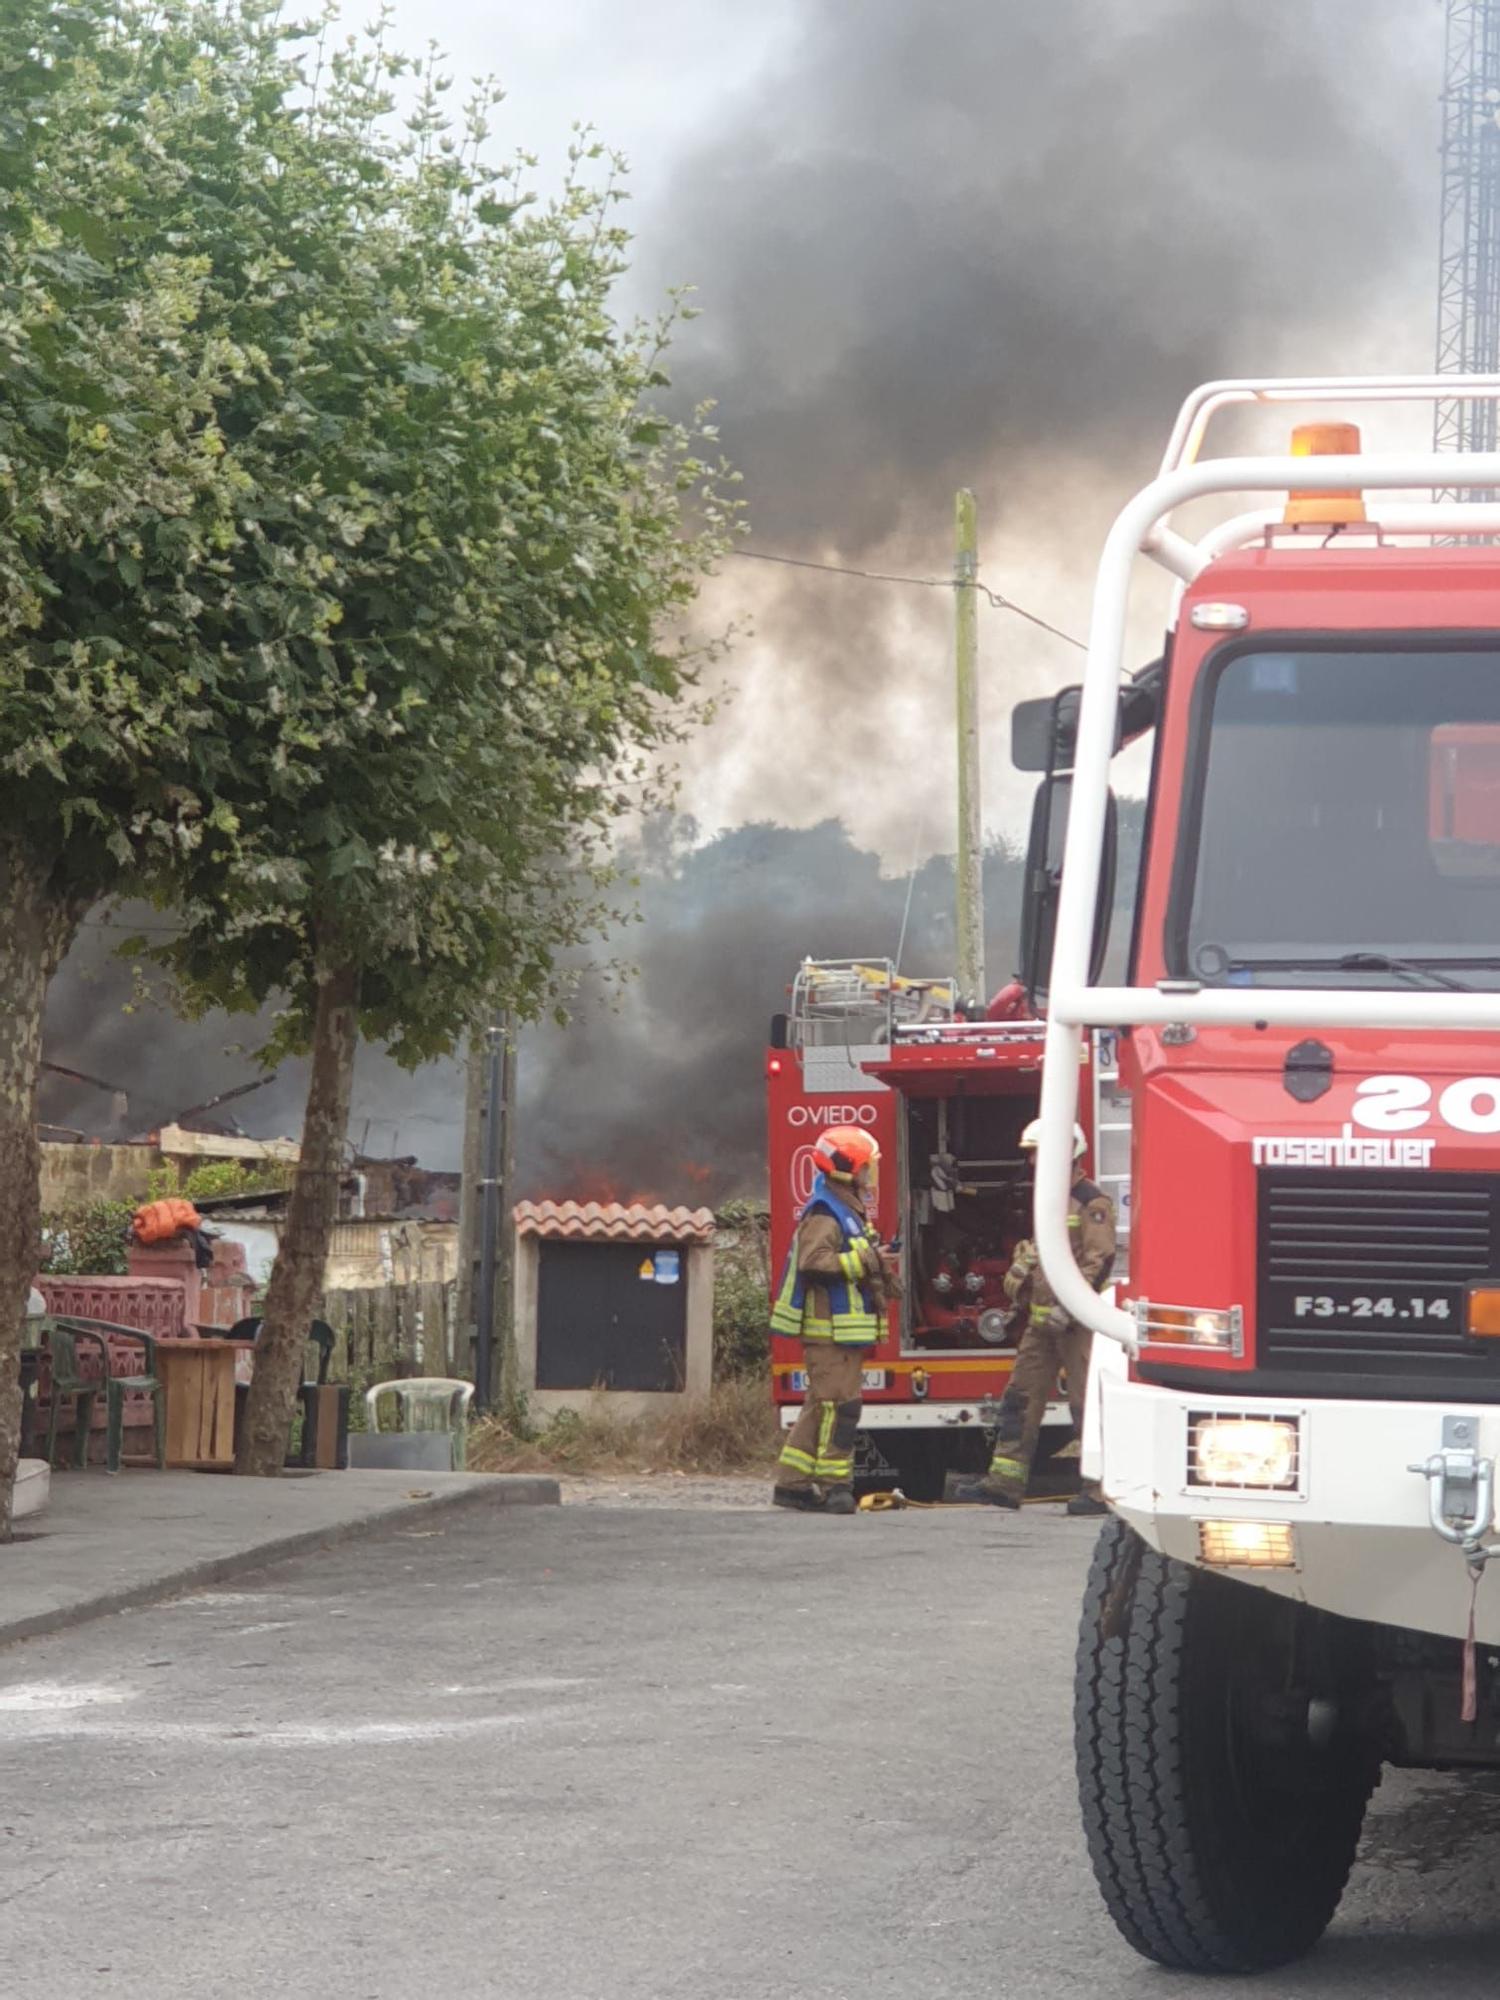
{"x": 614, "y": 1222}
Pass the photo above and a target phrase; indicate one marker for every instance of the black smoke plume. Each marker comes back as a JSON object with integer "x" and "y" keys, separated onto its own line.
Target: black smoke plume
{"x": 661, "y": 1096}
{"x": 993, "y": 243}
{"x": 940, "y": 243}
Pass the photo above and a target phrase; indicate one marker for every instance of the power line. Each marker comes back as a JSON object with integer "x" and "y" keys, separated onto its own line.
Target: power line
{"x": 996, "y": 600}
{"x": 1000, "y": 603}
{"x": 843, "y": 569}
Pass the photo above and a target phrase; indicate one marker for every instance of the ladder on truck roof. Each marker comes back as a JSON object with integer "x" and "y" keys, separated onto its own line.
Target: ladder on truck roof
{"x": 1112, "y": 1142}
{"x": 862, "y": 1001}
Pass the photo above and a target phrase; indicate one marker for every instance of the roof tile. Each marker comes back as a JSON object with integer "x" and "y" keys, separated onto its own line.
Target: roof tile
{"x": 614, "y": 1222}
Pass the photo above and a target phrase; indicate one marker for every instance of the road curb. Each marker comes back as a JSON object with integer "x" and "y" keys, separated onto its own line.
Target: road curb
{"x": 507, "y": 1490}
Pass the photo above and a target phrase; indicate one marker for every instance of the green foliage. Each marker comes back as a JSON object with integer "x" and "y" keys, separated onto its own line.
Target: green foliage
{"x": 88, "y": 1241}
{"x": 113, "y": 487}
{"x": 339, "y": 520}
{"x": 457, "y": 527}
{"x": 220, "y": 1177}
{"x": 742, "y": 1332}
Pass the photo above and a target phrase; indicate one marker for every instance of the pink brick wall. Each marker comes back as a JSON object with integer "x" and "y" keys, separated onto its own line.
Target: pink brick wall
{"x": 213, "y": 1298}
{"x": 155, "y": 1305}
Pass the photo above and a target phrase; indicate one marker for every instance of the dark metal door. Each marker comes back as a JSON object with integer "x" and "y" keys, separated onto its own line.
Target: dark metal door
{"x": 606, "y": 1320}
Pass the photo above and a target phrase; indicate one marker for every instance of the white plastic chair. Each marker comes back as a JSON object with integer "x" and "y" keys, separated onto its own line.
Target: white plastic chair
{"x": 428, "y": 1403}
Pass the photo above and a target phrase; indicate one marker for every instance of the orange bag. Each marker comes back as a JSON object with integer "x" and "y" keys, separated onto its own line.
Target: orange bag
{"x": 161, "y": 1221}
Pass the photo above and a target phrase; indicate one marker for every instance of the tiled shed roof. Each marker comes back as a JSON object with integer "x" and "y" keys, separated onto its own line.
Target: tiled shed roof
{"x": 613, "y": 1222}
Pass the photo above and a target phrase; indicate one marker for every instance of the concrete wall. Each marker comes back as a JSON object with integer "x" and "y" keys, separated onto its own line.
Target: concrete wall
{"x": 372, "y": 1252}
{"x": 74, "y": 1176}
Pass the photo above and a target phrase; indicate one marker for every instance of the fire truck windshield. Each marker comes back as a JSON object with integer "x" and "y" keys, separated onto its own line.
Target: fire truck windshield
{"x": 1341, "y": 819}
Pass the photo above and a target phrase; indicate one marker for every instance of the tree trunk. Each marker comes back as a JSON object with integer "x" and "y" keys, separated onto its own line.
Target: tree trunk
{"x": 34, "y": 933}
{"x": 312, "y": 1209}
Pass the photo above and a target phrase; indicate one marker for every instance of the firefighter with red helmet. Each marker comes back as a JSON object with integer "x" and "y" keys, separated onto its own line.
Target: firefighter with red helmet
{"x": 832, "y": 1296}
{"x": 1051, "y": 1342}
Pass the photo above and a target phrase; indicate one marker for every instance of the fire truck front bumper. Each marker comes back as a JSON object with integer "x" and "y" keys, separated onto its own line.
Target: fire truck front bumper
{"x": 1373, "y": 1510}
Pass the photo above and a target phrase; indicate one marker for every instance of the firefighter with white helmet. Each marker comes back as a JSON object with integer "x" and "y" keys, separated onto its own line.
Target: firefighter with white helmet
{"x": 832, "y": 1296}
{"x": 1050, "y": 1342}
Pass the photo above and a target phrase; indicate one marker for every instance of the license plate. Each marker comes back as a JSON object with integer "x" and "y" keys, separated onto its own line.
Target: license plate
{"x": 872, "y": 1378}
{"x": 1373, "y": 1306}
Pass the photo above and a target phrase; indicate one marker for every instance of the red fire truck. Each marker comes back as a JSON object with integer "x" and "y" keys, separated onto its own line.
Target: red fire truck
{"x": 1295, "y": 1398}
{"x": 947, "y": 1099}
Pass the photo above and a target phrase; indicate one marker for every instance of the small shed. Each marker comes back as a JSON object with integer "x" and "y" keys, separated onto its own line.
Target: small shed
{"x": 614, "y": 1298}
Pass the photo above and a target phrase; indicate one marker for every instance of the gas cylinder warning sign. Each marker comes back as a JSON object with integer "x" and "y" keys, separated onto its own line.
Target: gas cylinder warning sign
{"x": 663, "y": 1268}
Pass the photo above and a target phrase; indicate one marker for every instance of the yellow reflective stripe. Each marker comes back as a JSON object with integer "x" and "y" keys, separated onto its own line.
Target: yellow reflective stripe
{"x": 852, "y": 1265}
{"x": 836, "y": 1468}
{"x": 1007, "y": 1468}
{"x": 816, "y": 1329}
{"x": 785, "y": 1316}
{"x": 799, "y": 1461}
{"x": 1075, "y": 1222}
{"x": 1040, "y": 1315}
{"x": 825, "y": 1430}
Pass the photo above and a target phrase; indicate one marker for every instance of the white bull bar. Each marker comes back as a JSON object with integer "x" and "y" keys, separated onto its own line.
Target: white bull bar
{"x": 1074, "y": 1003}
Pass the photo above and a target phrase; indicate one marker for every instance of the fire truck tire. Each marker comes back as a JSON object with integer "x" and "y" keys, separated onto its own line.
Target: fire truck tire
{"x": 1220, "y": 1831}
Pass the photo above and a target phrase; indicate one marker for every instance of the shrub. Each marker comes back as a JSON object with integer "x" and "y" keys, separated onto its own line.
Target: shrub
{"x": 742, "y": 1282}
{"x": 87, "y": 1241}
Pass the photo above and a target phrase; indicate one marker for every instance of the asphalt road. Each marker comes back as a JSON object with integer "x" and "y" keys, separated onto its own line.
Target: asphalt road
{"x": 617, "y": 1754}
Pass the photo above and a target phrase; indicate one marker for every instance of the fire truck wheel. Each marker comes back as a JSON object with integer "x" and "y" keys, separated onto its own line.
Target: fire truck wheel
{"x": 1222, "y": 1793}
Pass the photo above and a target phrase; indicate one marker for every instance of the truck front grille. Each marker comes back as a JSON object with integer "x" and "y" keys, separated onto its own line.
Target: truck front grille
{"x": 1363, "y": 1275}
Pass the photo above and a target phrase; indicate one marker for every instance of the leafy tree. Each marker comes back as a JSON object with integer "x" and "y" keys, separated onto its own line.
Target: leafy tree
{"x": 461, "y": 533}
{"x": 112, "y": 483}
{"x": 335, "y": 539}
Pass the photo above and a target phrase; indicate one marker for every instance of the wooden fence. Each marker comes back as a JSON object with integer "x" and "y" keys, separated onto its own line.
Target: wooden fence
{"x": 393, "y": 1330}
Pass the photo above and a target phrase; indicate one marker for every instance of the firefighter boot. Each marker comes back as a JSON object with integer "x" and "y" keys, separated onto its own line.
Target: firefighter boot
{"x": 1086, "y": 1505}
{"x": 839, "y": 1501}
{"x": 964, "y": 1490}
{"x": 800, "y": 1499}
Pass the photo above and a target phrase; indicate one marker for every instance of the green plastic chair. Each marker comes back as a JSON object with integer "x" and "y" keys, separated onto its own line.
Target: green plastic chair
{"x": 428, "y": 1403}
{"x": 63, "y": 1339}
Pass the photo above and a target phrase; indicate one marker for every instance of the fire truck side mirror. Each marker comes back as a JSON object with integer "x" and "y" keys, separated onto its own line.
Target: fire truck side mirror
{"x": 1044, "y": 732}
{"x": 1043, "y": 883}
{"x": 780, "y": 1031}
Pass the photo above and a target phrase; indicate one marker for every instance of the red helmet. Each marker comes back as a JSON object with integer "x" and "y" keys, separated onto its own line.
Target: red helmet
{"x": 844, "y": 1151}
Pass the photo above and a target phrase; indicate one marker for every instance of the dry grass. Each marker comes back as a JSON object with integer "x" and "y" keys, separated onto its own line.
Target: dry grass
{"x": 734, "y": 1431}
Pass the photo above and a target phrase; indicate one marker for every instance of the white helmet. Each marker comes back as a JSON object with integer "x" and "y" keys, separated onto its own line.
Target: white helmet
{"x": 1031, "y": 1138}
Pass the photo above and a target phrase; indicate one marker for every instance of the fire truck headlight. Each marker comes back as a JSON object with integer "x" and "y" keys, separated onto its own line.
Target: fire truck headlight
{"x": 1247, "y": 1544}
{"x": 1259, "y": 1452}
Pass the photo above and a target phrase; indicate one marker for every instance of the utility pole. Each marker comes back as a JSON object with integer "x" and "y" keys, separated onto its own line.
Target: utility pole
{"x": 505, "y": 1265}
{"x": 970, "y": 865}
{"x": 461, "y": 1360}
{"x": 497, "y": 1043}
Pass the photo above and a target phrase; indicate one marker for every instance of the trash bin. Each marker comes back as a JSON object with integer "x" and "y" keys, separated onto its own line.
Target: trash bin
{"x": 325, "y": 1426}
